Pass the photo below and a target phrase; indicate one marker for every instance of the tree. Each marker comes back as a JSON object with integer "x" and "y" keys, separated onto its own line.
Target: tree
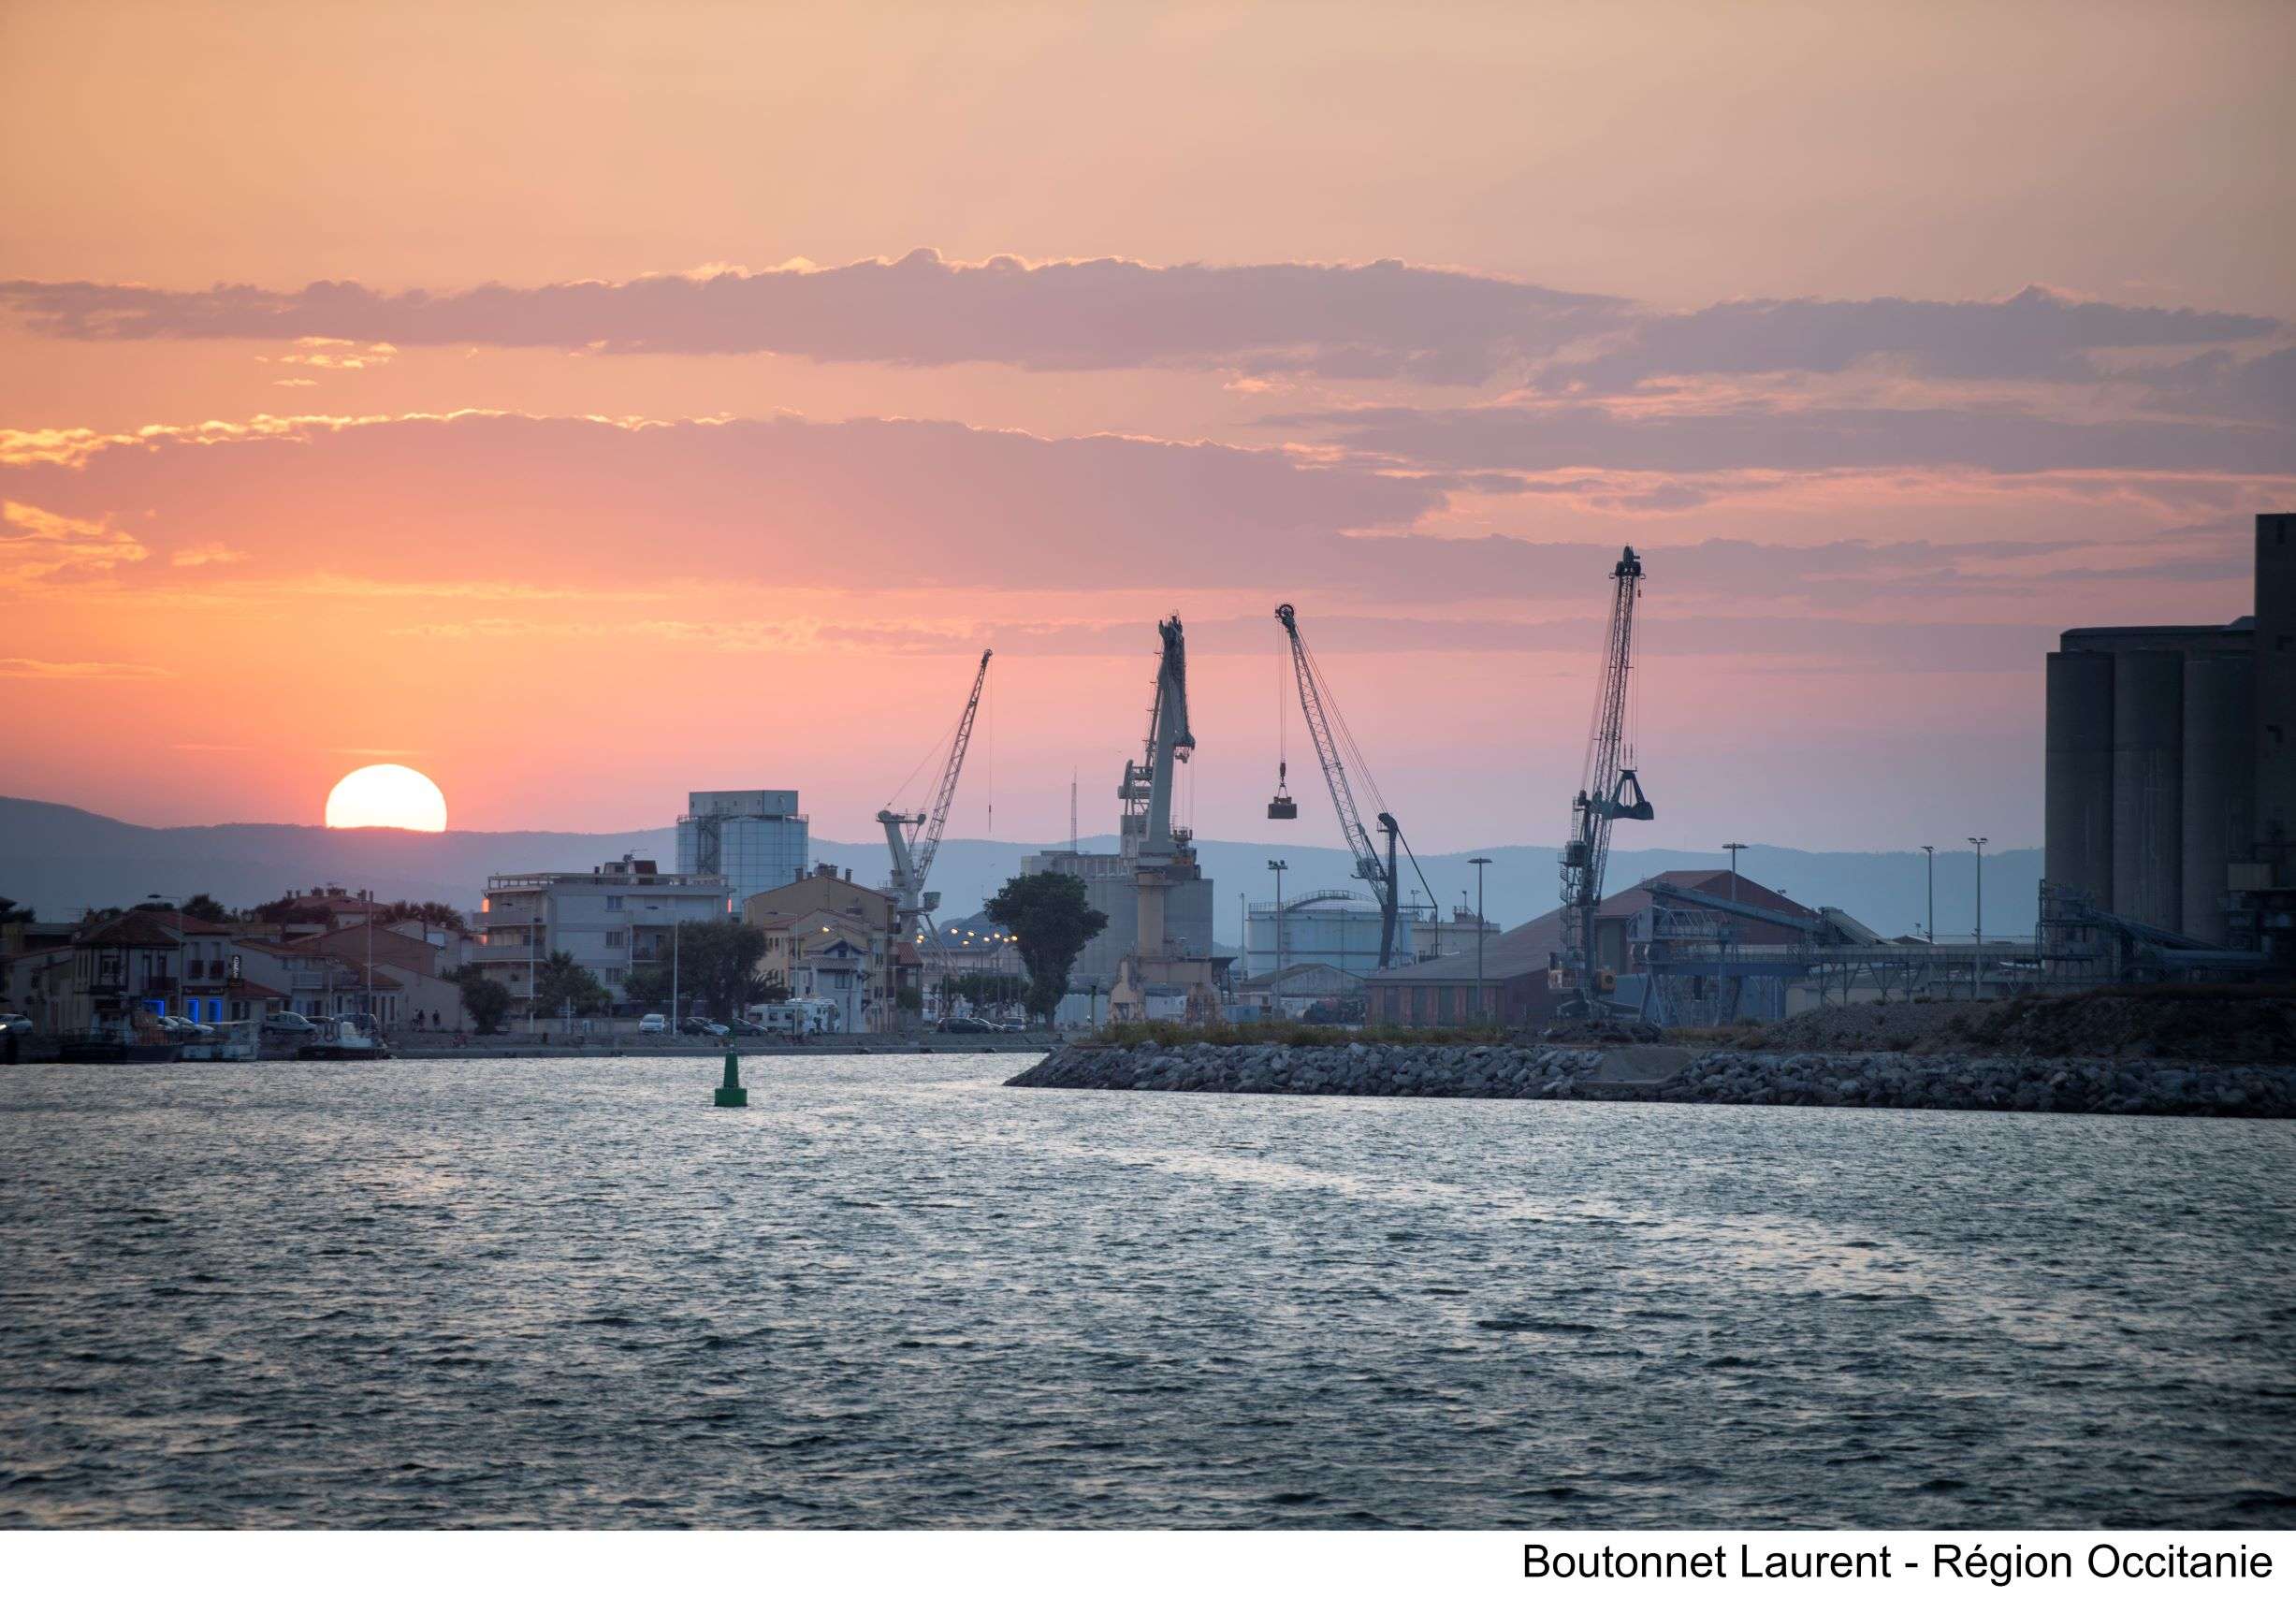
{"x": 10, "y": 911}
{"x": 206, "y": 906}
{"x": 1052, "y": 921}
{"x": 484, "y": 1000}
{"x": 717, "y": 964}
{"x": 716, "y": 970}
{"x": 430, "y": 912}
{"x": 561, "y": 984}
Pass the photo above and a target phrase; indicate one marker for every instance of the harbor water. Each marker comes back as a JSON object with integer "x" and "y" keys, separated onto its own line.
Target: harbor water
{"x": 892, "y": 1292}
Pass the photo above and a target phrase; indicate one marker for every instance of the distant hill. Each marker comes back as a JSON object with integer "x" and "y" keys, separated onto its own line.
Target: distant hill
{"x": 61, "y": 860}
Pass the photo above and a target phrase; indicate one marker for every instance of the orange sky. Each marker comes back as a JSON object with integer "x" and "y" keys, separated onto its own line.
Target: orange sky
{"x": 1749, "y": 289}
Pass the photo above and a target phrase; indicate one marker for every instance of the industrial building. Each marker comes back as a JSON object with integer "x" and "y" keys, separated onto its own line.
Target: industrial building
{"x": 1330, "y": 926}
{"x": 1513, "y": 984}
{"x": 754, "y": 837}
{"x": 2170, "y": 777}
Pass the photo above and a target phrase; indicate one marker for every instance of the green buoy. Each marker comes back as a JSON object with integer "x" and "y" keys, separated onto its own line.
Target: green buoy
{"x": 733, "y": 1096}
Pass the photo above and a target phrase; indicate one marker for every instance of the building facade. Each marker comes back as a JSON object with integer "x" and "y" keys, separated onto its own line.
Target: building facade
{"x": 622, "y": 914}
{"x": 754, "y": 837}
{"x": 829, "y": 937}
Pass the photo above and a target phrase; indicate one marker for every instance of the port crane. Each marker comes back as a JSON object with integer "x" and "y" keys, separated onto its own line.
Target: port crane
{"x": 914, "y": 839}
{"x": 1318, "y": 708}
{"x": 1608, "y": 792}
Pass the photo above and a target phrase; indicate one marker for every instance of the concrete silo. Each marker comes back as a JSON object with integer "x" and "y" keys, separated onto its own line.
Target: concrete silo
{"x": 2079, "y": 776}
{"x": 2149, "y": 791}
{"x": 2218, "y": 803}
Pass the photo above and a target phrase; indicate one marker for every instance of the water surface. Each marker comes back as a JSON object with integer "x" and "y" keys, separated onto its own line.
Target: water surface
{"x": 894, "y": 1293}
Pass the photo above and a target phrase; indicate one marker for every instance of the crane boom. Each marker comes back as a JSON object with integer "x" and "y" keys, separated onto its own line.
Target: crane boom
{"x": 914, "y": 839}
{"x": 1380, "y": 874}
{"x": 1608, "y": 792}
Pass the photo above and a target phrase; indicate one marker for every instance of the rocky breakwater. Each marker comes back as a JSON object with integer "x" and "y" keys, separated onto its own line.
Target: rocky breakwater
{"x": 1679, "y": 1076}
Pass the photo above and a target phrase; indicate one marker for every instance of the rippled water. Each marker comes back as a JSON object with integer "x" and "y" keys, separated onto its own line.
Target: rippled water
{"x": 894, "y": 1293}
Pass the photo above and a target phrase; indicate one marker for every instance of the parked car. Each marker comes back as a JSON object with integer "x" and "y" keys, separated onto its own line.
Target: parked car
{"x": 288, "y": 1020}
{"x": 15, "y": 1023}
{"x": 701, "y": 1027}
{"x": 653, "y": 1023}
{"x": 741, "y": 1028}
{"x": 364, "y": 1022}
{"x": 184, "y": 1030}
{"x": 968, "y": 1023}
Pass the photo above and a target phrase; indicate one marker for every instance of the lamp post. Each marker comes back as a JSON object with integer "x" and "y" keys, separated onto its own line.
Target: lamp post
{"x": 1977, "y": 967}
{"x": 178, "y": 908}
{"x": 1478, "y": 862}
{"x": 1276, "y": 977}
{"x": 1930, "y": 851}
{"x": 1734, "y": 849}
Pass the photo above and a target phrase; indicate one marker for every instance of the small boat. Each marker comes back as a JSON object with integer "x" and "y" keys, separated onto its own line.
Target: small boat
{"x": 342, "y": 1040}
{"x": 117, "y": 1039}
{"x": 233, "y": 1040}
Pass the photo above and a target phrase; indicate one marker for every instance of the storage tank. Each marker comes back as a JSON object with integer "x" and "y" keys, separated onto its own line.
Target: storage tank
{"x": 2274, "y": 714}
{"x": 2079, "y": 773}
{"x": 2219, "y": 782}
{"x": 2148, "y": 741}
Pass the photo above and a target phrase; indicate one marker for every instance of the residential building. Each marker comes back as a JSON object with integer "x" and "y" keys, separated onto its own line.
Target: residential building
{"x": 618, "y": 915}
{"x": 828, "y": 936}
{"x": 753, "y": 837}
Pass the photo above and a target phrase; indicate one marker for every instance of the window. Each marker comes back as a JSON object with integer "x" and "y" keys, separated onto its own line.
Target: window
{"x": 613, "y": 901}
{"x": 618, "y": 941}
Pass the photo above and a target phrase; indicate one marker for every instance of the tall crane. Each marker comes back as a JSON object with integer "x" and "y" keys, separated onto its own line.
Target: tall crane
{"x": 1317, "y": 709}
{"x": 914, "y": 839}
{"x": 1608, "y": 790}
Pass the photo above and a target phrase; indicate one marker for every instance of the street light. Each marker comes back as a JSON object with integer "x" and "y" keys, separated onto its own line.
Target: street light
{"x": 1734, "y": 849}
{"x": 1930, "y": 849}
{"x": 178, "y": 908}
{"x": 1478, "y": 862}
{"x": 1977, "y": 967}
{"x": 1980, "y": 887}
{"x": 1275, "y": 978}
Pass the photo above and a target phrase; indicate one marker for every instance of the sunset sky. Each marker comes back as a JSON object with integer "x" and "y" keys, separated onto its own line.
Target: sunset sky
{"x": 582, "y": 404}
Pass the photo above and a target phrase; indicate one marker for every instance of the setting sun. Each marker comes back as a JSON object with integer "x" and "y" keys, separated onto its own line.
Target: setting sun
{"x": 388, "y": 796}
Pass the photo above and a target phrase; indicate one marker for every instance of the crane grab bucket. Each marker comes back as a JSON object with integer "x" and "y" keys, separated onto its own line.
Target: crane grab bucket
{"x": 1283, "y": 807}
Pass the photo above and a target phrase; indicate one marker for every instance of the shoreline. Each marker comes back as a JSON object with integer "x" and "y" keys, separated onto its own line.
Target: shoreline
{"x": 1657, "y": 1073}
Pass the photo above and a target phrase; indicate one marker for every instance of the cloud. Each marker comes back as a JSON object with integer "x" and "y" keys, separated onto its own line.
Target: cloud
{"x": 1385, "y": 319}
{"x": 79, "y": 671}
{"x": 213, "y": 553}
{"x": 2035, "y": 335}
{"x": 37, "y": 544}
{"x": 1551, "y": 437}
{"x": 481, "y": 497}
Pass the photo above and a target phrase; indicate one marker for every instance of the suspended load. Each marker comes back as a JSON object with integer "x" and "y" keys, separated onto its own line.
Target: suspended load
{"x": 1283, "y": 807}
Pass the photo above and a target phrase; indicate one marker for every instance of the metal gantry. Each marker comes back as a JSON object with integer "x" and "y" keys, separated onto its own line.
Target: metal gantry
{"x": 914, "y": 838}
{"x": 1608, "y": 792}
{"x": 1334, "y": 749}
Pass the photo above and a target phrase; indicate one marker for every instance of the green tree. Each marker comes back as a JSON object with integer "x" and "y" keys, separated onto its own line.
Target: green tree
{"x": 430, "y": 912}
{"x": 563, "y": 985}
{"x": 717, "y": 964}
{"x": 484, "y": 1000}
{"x": 206, "y": 906}
{"x": 11, "y": 911}
{"x": 1052, "y": 921}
